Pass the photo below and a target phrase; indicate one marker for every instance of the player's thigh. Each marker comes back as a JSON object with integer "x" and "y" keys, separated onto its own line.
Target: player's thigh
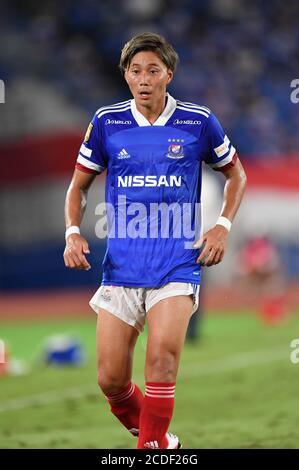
{"x": 168, "y": 321}
{"x": 116, "y": 341}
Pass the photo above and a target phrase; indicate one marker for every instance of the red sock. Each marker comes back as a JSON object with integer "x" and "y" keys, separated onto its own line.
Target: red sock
{"x": 156, "y": 414}
{"x": 126, "y": 406}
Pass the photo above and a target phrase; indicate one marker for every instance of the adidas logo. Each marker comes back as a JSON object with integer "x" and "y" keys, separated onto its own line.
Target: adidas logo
{"x": 123, "y": 154}
{"x": 151, "y": 445}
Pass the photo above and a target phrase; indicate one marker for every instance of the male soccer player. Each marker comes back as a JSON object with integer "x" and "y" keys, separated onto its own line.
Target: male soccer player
{"x": 153, "y": 147}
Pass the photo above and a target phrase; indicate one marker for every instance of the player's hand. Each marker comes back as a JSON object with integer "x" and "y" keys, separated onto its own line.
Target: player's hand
{"x": 213, "y": 244}
{"x": 75, "y": 250}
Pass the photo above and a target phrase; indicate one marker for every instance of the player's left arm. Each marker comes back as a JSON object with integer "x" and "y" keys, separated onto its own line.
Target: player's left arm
{"x": 215, "y": 239}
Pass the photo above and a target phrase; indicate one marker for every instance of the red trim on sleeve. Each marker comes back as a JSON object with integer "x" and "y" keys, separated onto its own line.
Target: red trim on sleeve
{"x": 229, "y": 165}
{"x": 83, "y": 168}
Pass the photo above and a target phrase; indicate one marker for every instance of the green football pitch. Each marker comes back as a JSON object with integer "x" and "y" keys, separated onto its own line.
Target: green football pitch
{"x": 237, "y": 388}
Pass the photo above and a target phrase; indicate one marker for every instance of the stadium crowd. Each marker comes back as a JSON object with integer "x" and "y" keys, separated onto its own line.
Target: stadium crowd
{"x": 238, "y": 58}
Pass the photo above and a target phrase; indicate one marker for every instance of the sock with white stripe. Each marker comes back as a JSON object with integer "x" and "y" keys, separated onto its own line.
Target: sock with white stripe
{"x": 156, "y": 414}
{"x": 126, "y": 406}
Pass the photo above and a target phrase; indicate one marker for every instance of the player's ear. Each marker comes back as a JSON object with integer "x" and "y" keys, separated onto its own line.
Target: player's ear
{"x": 170, "y": 76}
{"x": 126, "y": 76}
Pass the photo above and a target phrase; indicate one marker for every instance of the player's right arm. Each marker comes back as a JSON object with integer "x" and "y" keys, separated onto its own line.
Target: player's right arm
{"x": 91, "y": 161}
{"x": 76, "y": 246}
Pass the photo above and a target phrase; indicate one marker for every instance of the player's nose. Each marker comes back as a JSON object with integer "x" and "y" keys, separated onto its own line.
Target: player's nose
{"x": 143, "y": 79}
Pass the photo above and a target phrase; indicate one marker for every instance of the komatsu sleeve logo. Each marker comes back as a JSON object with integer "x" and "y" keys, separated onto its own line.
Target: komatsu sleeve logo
{"x": 223, "y": 148}
{"x": 149, "y": 181}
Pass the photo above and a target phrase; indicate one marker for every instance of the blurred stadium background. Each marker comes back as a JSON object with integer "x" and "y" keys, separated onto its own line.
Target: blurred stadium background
{"x": 59, "y": 64}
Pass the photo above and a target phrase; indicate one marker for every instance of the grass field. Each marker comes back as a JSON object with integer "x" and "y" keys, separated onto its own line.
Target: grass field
{"x": 236, "y": 389}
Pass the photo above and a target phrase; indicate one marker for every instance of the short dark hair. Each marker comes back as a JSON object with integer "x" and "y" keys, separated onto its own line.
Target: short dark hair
{"x": 148, "y": 42}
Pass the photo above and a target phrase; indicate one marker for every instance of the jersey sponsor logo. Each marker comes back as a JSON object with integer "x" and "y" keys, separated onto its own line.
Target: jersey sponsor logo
{"x": 191, "y": 122}
{"x": 123, "y": 154}
{"x": 88, "y": 133}
{"x": 149, "y": 181}
{"x": 223, "y": 148}
{"x": 175, "y": 151}
{"x": 117, "y": 121}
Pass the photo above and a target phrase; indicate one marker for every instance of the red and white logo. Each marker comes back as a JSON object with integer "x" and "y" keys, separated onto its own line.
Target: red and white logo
{"x": 175, "y": 151}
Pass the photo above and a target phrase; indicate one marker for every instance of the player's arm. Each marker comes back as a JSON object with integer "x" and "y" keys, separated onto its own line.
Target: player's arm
{"x": 76, "y": 199}
{"x": 216, "y": 238}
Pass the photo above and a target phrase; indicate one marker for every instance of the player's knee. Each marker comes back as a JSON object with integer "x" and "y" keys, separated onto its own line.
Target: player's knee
{"x": 162, "y": 367}
{"x": 111, "y": 383}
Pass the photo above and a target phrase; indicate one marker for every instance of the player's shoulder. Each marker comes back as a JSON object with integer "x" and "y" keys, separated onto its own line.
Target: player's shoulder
{"x": 120, "y": 107}
{"x": 193, "y": 109}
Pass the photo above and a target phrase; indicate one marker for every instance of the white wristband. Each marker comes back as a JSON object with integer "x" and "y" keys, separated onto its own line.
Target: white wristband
{"x": 225, "y": 222}
{"x": 72, "y": 229}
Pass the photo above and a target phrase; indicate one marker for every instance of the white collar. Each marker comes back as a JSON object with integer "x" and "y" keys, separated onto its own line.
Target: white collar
{"x": 162, "y": 119}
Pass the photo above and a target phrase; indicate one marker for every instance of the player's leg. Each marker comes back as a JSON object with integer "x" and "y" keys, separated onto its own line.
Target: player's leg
{"x": 115, "y": 348}
{"x": 167, "y": 325}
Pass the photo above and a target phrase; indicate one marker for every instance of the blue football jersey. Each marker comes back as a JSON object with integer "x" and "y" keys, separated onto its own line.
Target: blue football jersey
{"x": 153, "y": 187}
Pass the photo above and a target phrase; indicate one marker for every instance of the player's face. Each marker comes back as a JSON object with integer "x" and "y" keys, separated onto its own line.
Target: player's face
{"x": 147, "y": 77}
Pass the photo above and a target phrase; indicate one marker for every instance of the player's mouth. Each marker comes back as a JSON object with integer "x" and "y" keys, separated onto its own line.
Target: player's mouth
{"x": 144, "y": 94}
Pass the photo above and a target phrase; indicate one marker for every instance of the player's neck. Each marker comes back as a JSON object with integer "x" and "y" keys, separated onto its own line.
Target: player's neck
{"x": 151, "y": 113}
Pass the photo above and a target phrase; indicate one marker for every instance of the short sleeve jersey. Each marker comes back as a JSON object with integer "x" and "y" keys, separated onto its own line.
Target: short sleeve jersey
{"x": 153, "y": 187}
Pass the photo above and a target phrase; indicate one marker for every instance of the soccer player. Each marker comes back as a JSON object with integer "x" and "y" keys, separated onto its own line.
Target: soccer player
{"x": 152, "y": 147}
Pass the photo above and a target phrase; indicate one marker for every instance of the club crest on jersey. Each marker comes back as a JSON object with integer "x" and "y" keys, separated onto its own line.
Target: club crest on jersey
{"x": 106, "y": 295}
{"x": 175, "y": 151}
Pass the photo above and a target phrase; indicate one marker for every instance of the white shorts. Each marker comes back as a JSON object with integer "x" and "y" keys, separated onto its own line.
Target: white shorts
{"x": 131, "y": 304}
